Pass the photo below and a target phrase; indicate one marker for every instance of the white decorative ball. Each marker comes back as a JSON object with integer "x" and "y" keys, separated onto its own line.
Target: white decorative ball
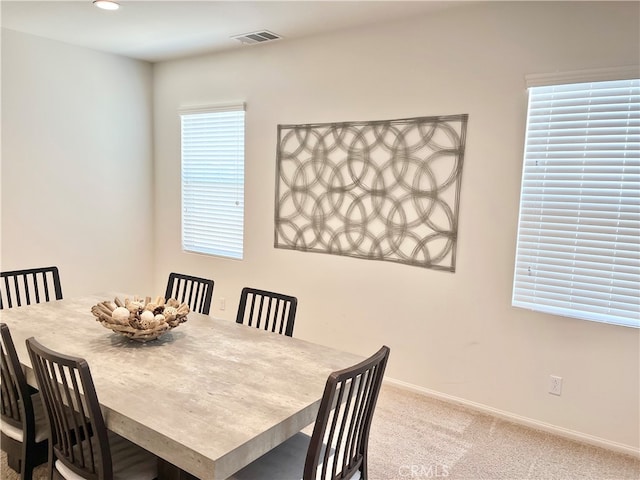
{"x": 120, "y": 314}
{"x": 147, "y": 316}
{"x": 160, "y": 318}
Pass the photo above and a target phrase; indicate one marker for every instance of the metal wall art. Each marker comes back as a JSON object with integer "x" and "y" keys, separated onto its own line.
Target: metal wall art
{"x": 383, "y": 190}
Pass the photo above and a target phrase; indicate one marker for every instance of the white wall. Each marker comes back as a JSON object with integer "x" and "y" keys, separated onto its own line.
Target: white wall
{"x": 456, "y": 334}
{"x": 76, "y": 164}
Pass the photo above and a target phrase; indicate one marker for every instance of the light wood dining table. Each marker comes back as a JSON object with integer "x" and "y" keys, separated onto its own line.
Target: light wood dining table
{"x": 207, "y": 398}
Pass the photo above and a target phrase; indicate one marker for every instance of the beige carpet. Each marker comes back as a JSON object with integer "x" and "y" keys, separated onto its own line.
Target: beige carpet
{"x": 414, "y": 437}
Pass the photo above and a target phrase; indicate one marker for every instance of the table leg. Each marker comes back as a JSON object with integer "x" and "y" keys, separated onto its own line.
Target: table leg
{"x": 168, "y": 471}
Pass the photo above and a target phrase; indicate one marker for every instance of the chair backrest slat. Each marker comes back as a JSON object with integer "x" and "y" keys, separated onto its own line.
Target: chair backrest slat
{"x": 34, "y": 285}
{"x": 341, "y": 432}
{"x": 78, "y": 432}
{"x": 194, "y": 291}
{"x": 16, "y": 407}
{"x": 266, "y": 310}
{"x": 18, "y": 411}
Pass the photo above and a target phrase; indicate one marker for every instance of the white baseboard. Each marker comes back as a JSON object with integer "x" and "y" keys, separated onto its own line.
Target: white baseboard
{"x": 529, "y": 422}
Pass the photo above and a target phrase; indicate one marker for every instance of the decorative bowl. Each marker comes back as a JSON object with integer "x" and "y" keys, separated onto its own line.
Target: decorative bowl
{"x": 141, "y": 319}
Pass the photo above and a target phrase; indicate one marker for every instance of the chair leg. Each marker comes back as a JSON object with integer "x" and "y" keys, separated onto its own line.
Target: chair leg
{"x": 34, "y": 455}
{"x": 27, "y": 470}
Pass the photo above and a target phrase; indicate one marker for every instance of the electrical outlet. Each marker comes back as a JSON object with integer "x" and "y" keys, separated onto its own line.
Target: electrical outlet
{"x": 223, "y": 303}
{"x": 555, "y": 385}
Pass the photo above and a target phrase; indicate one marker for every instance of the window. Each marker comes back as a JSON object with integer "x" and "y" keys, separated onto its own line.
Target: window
{"x": 578, "y": 250}
{"x": 213, "y": 181}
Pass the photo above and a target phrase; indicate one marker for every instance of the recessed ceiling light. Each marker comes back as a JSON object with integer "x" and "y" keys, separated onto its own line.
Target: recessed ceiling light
{"x": 106, "y": 4}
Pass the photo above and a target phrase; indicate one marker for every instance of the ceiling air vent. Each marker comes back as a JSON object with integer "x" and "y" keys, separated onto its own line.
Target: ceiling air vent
{"x": 257, "y": 37}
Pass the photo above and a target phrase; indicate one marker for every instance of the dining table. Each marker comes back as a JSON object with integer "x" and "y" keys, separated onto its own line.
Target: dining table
{"x": 207, "y": 398}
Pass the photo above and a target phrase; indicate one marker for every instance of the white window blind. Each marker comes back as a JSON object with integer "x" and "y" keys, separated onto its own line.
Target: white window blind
{"x": 213, "y": 181}
{"x": 578, "y": 251}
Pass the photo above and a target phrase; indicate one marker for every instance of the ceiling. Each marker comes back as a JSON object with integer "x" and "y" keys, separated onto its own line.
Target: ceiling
{"x": 156, "y": 30}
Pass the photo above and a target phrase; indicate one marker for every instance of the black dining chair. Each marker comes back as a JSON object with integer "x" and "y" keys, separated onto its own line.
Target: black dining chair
{"x": 266, "y": 310}
{"x": 24, "y": 287}
{"x": 194, "y": 291}
{"x": 80, "y": 446}
{"x": 337, "y": 448}
{"x": 23, "y": 431}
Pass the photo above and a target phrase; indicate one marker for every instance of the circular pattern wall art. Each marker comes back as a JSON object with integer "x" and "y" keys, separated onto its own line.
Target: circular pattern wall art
{"x": 383, "y": 190}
